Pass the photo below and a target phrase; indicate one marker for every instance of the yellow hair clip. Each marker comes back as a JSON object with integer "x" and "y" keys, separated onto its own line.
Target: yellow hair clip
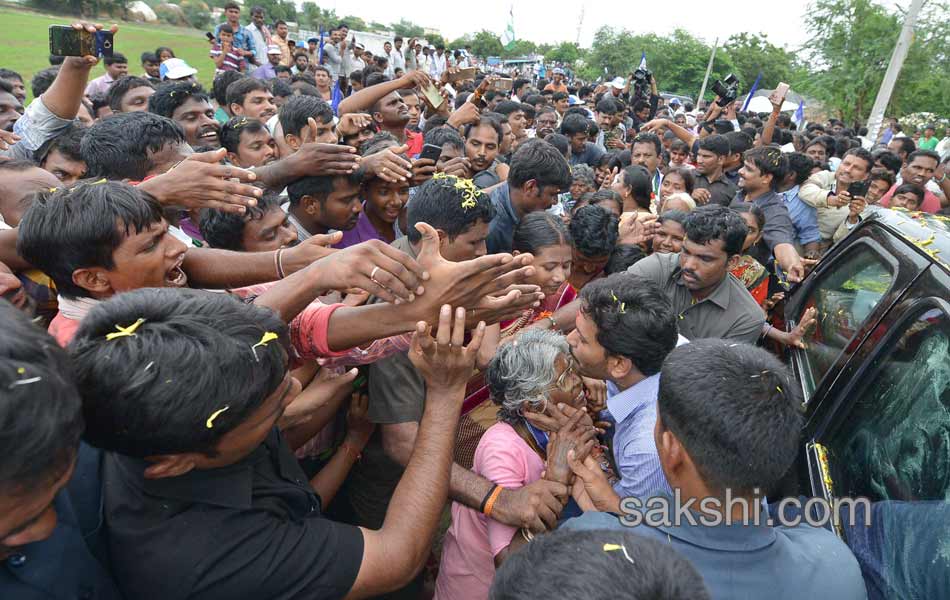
{"x": 210, "y": 422}
{"x": 622, "y": 305}
{"x": 124, "y": 331}
{"x": 269, "y": 336}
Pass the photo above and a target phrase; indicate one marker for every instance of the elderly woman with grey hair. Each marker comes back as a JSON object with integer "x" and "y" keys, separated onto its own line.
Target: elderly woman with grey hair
{"x": 530, "y": 374}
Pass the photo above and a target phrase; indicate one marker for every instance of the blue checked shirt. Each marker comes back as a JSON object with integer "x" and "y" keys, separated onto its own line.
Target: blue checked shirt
{"x": 803, "y": 216}
{"x": 241, "y": 40}
{"x": 634, "y": 414}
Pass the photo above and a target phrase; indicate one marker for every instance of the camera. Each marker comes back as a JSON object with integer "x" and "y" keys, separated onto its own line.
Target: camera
{"x": 641, "y": 83}
{"x": 727, "y": 90}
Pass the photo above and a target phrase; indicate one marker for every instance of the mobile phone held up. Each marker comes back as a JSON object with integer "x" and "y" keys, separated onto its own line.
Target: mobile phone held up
{"x": 859, "y": 188}
{"x": 431, "y": 152}
{"x": 66, "y": 41}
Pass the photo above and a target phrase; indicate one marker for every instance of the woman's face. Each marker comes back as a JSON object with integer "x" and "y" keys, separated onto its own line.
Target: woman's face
{"x": 754, "y": 232}
{"x": 567, "y": 387}
{"x": 385, "y": 199}
{"x": 669, "y": 237}
{"x": 579, "y": 188}
{"x": 672, "y": 183}
{"x": 620, "y": 187}
{"x": 601, "y": 173}
{"x": 552, "y": 267}
{"x": 165, "y": 55}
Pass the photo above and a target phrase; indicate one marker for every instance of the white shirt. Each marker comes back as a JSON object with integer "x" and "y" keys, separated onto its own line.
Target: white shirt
{"x": 436, "y": 65}
{"x": 397, "y": 60}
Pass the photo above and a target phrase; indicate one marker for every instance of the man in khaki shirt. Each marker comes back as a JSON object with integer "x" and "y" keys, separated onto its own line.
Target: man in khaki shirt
{"x": 828, "y": 192}
{"x": 709, "y": 301}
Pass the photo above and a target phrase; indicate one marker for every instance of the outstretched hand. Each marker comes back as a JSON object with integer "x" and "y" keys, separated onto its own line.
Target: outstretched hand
{"x": 444, "y": 361}
{"x": 201, "y": 181}
{"x": 467, "y": 283}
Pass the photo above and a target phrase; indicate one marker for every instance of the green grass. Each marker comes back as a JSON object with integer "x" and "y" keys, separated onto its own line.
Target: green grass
{"x": 25, "y": 47}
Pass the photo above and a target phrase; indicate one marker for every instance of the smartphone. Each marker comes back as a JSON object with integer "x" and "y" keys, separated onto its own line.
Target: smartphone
{"x": 431, "y": 152}
{"x": 859, "y": 188}
{"x": 462, "y": 74}
{"x": 66, "y": 41}
{"x": 502, "y": 84}
{"x": 781, "y": 90}
{"x": 210, "y": 36}
{"x": 432, "y": 97}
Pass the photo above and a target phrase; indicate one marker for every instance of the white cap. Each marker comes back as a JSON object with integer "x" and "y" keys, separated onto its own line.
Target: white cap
{"x": 274, "y": 49}
{"x": 175, "y": 68}
{"x": 618, "y": 83}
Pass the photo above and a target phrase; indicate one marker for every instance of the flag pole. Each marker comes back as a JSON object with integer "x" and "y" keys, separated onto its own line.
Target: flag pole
{"x": 702, "y": 91}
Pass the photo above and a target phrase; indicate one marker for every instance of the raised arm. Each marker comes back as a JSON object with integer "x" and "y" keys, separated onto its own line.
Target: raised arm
{"x": 395, "y": 553}
{"x": 366, "y": 98}
{"x": 65, "y": 94}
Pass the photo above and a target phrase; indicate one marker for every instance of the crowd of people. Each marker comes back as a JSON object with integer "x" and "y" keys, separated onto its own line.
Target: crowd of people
{"x": 385, "y": 290}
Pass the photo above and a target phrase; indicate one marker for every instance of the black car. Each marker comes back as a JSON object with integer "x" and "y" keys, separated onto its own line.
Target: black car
{"x": 876, "y": 381}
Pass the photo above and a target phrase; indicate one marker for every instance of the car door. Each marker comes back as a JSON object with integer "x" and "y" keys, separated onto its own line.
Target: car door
{"x": 886, "y": 438}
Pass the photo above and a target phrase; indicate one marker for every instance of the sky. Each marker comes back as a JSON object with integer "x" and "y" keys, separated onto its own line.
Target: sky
{"x": 539, "y": 20}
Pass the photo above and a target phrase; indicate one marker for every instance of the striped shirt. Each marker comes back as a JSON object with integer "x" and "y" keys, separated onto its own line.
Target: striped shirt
{"x": 232, "y": 60}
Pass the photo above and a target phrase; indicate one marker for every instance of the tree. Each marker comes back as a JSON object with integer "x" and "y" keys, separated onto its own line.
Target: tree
{"x": 278, "y": 9}
{"x": 752, "y": 54}
{"x": 407, "y": 29}
{"x": 355, "y": 23}
{"x": 851, "y": 44}
{"x": 565, "y": 52}
{"x": 485, "y": 44}
{"x": 519, "y": 48}
{"x": 678, "y": 61}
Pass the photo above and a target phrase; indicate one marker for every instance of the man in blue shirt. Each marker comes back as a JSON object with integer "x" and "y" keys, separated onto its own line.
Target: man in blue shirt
{"x": 727, "y": 430}
{"x": 537, "y": 175}
{"x": 804, "y": 216}
{"x": 625, "y": 328}
{"x": 242, "y": 44}
{"x": 50, "y": 508}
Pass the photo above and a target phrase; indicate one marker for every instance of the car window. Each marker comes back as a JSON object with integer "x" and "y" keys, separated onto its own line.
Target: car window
{"x": 845, "y": 297}
{"x": 895, "y": 443}
{"x": 893, "y": 448}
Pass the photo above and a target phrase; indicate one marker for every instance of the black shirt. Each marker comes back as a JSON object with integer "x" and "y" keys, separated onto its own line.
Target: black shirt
{"x": 721, "y": 191}
{"x": 69, "y": 564}
{"x": 778, "y": 229}
{"x": 249, "y": 530}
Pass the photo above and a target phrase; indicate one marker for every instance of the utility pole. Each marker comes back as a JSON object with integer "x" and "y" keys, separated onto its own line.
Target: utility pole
{"x": 712, "y": 56}
{"x": 904, "y": 40}
{"x": 580, "y": 23}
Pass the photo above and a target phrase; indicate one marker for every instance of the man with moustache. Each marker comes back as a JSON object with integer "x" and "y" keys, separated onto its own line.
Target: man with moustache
{"x": 709, "y": 301}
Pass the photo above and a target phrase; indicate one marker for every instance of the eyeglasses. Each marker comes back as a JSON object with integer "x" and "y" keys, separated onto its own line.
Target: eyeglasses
{"x": 565, "y": 382}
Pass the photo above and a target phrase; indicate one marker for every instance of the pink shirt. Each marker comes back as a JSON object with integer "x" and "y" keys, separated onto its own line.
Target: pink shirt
{"x": 473, "y": 540}
{"x": 931, "y": 202}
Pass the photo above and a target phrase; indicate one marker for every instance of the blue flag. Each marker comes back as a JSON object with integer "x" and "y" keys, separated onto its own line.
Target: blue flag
{"x": 337, "y": 97}
{"x": 799, "y": 117}
{"x": 320, "y": 53}
{"x": 755, "y": 86}
{"x": 643, "y": 60}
